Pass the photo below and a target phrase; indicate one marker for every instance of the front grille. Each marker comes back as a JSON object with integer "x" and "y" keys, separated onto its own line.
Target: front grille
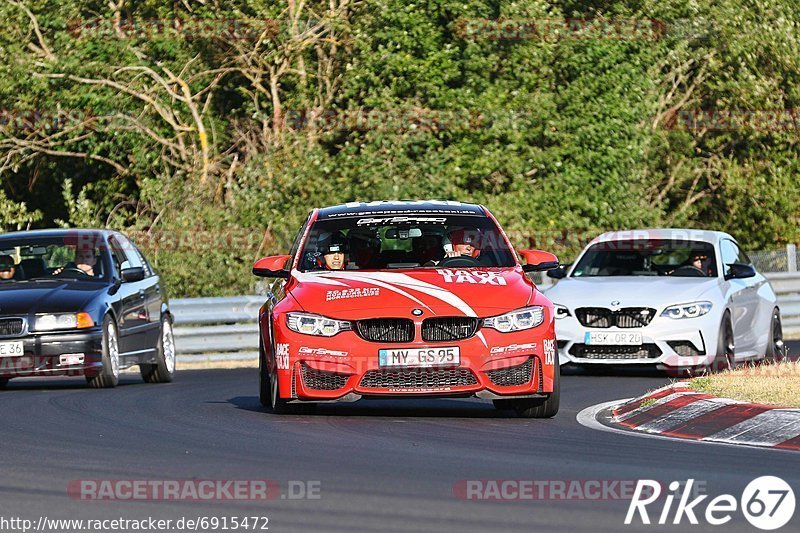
{"x": 627, "y": 317}
{"x": 511, "y": 376}
{"x": 685, "y": 348}
{"x": 644, "y": 351}
{"x": 449, "y": 328}
{"x": 318, "y": 380}
{"x": 418, "y": 379}
{"x": 386, "y": 329}
{"x": 11, "y": 326}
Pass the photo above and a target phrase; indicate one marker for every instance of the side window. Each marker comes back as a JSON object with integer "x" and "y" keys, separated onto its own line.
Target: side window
{"x": 117, "y": 255}
{"x": 731, "y": 254}
{"x": 132, "y": 256}
{"x": 298, "y": 237}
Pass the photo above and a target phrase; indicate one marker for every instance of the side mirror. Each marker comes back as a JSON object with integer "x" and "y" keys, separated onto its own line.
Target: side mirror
{"x": 132, "y": 274}
{"x": 739, "y": 271}
{"x": 272, "y": 267}
{"x": 558, "y": 273}
{"x": 538, "y": 260}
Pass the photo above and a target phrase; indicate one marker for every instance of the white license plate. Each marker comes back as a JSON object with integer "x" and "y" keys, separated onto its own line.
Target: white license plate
{"x": 606, "y": 338}
{"x": 446, "y": 355}
{"x": 11, "y": 349}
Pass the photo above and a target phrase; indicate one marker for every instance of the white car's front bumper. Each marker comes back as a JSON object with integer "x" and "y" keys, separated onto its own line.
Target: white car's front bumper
{"x": 666, "y": 342}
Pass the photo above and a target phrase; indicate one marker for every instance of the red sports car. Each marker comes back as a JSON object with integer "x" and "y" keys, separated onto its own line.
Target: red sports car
{"x": 406, "y": 299}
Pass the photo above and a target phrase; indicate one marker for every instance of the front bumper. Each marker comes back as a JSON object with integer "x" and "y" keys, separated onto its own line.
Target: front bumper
{"x": 56, "y": 354}
{"x": 666, "y": 343}
{"x": 517, "y": 368}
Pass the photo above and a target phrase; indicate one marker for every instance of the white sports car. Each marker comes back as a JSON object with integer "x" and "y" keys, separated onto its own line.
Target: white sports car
{"x": 682, "y": 300}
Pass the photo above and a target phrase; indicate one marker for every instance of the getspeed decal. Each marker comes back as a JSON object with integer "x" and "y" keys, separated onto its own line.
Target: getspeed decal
{"x": 352, "y": 293}
{"x": 513, "y": 348}
{"x": 476, "y": 277}
{"x": 320, "y": 351}
{"x": 401, "y": 220}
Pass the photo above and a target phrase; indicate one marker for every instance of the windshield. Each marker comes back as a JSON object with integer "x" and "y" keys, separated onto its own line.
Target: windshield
{"x": 409, "y": 240}
{"x": 27, "y": 259}
{"x": 676, "y": 258}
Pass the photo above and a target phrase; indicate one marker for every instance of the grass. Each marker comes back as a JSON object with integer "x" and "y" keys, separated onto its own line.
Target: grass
{"x": 777, "y": 384}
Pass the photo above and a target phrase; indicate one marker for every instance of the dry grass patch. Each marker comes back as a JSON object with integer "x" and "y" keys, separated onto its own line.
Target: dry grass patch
{"x": 777, "y": 384}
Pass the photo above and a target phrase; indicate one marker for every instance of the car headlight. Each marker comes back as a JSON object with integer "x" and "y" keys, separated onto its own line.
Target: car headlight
{"x": 692, "y": 310}
{"x": 315, "y": 324}
{"x": 53, "y": 321}
{"x": 561, "y": 311}
{"x": 526, "y": 318}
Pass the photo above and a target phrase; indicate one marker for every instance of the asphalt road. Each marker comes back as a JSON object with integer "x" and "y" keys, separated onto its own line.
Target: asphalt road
{"x": 381, "y": 465}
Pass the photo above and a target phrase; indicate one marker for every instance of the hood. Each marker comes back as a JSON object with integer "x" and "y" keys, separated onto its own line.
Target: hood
{"x": 353, "y": 294}
{"x": 633, "y": 291}
{"x": 46, "y": 296}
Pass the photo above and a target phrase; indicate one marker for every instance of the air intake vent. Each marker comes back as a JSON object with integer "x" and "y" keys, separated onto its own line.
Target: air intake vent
{"x": 512, "y": 376}
{"x": 318, "y": 380}
{"x": 418, "y": 379}
{"x": 386, "y": 329}
{"x": 444, "y": 329}
{"x": 628, "y": 317}
{"x": 11, "y": 326}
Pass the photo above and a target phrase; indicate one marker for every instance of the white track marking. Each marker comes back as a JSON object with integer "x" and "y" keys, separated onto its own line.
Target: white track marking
{"x": 682, "y": 415}
{"x": 766, "y": 429}
{"x": 660, "y": 401}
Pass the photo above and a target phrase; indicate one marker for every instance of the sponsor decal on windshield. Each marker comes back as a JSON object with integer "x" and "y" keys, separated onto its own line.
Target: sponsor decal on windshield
{"x": 383, "y": 221}
{"x": 475, "y": 277}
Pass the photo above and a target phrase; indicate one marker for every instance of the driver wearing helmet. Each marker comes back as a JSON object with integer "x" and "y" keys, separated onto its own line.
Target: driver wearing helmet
{"x": 331, "y": 249}
{"x": 465, "y": 242}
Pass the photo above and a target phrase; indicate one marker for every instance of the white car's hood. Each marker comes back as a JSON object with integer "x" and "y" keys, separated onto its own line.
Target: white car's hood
{"x": 631, "y": 291}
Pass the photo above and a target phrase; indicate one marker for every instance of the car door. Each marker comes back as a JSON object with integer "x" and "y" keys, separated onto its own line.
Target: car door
{"x": 132, "y": 316}
{"x": 145, "y": 337}
{"x": 744, "y": 299}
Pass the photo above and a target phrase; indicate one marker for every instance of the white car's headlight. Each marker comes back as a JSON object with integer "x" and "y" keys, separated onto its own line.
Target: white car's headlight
{"x": 692, "y": 310}
{"x": 53, "y": 321}
{"x": 315, "y": 324}
{"x": 526, "y": 318}
{"x": 561, "y": 311}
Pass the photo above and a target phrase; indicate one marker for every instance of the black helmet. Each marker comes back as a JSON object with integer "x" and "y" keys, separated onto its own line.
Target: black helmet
{"x": 331, "y": 242}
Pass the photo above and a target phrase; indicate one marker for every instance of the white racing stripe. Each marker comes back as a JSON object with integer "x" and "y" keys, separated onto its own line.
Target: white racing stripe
{"x": 660, "y": 401}
{"x": 682, "y": 415}
{"x": 766, "y": 429}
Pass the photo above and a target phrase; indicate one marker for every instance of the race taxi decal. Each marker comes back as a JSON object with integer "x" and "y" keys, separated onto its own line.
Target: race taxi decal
{"x": 475, "y": 277}
{"x": 282, "y": 356}
{"x": 549, "y": 351}
{"x": 304, "y": 350}
{"x": 352, "y": 293}
{"x": 513, "y": 348}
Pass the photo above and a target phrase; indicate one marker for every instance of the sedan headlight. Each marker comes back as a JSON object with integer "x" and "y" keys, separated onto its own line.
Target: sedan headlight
{"x": 692, "y": 310}
{"x": 561, "y": 311}
{"x": 316, "y": 325}
{"x": 526, "y": 318}
{"x": 53, "y": 321}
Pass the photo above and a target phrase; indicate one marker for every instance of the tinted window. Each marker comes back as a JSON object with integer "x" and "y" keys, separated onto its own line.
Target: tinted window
{"x": 731, "y": 253}
{"x": 80, "y": 256}
{"x": 648, "y": 257}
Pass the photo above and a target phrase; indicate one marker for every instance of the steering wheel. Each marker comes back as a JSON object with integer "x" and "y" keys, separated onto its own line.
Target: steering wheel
{"x": 690, "y": 271}
{"x": 460, "y": 261}
{"x": 72, "y": 270}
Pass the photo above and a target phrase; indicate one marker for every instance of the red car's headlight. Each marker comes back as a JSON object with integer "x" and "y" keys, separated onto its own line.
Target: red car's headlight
{"x": 525, "y": 318}
{"x": 316, "y": 325}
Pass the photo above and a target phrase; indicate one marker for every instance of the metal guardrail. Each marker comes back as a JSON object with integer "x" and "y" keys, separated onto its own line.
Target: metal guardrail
{"x": 214, "y": 325}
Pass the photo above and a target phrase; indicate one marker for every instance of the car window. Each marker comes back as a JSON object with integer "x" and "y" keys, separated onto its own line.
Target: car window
{"x": 731, "y": 253}
{"x": 648, "y": 257}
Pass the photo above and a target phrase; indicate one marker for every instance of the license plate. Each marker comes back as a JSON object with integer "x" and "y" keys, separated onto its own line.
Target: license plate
{"x": 11, "y": 349}
{"x": 606, "y": 338}
{"x": 420, "y": 357}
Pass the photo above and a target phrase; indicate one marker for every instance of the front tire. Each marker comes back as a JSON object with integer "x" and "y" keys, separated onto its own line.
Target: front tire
{"x": 541, "y": 407}
{"x": 725, "y": 358}
{"x": 269, "y": 392}
{"x": 108, "y": 377}
{"x": 776, "y": 349}
{"x": 163, "y": 370}
{"x": 3, "y": 382}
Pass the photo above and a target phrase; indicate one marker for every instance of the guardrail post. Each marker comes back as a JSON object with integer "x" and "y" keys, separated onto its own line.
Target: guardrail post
{"x": 791, "y": 255}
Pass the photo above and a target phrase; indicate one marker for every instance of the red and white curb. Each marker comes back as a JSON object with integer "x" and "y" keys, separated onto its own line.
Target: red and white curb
{"x": 679, "y": 412}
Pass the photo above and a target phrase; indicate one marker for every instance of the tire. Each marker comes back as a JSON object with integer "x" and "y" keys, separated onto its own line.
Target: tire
{"x": 776, "y": 349}
{"x": 4, "y": 382}
{"x": 541, "y": 407}
{"x": 108, "y": 377}
{"x": 163, "y": 370}
{"x": 724, "y": 360}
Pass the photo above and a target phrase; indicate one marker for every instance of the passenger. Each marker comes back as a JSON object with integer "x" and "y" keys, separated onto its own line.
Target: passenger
{"x": 7, "y": 268}
{"x": 332, "y": 248}
{"x": 364, "y": 246}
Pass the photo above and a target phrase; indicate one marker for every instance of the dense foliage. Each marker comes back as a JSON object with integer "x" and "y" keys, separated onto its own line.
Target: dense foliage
{"x": 208, "y": 130}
